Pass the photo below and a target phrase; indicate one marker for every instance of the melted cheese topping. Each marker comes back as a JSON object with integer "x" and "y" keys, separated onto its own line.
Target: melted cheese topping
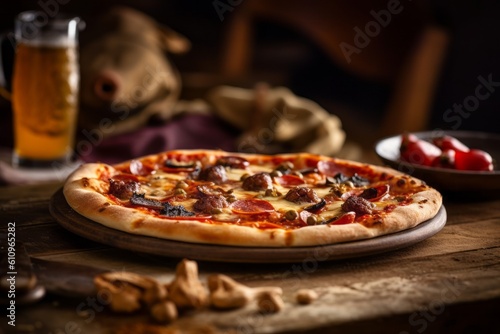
{"x": 161, "y": 186}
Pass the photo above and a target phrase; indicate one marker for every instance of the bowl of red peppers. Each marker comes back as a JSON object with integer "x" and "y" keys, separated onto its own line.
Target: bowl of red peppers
{"x": 447, "y": 160}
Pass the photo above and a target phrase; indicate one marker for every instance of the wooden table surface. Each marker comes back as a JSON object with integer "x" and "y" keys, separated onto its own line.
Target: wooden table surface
{"x": 447, "y": 283}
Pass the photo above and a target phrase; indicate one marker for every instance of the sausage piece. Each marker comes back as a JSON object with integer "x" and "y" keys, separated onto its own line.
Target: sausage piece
{"x": 302, "y": 195}
{"x": 210, "y": 203}
{"x": 357, "y": 204}
{"x": 216, "y": 174}
{"x": 256, "y": 182}
{"x": 123, "y": 189}
{"x": 233, "y": 162}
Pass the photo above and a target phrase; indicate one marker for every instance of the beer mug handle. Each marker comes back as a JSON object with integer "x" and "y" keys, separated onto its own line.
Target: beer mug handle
{"x": 4, "y": 79}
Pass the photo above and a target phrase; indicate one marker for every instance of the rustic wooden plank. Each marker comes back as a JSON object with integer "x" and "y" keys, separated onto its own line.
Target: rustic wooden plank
{"x": 26, "y": 205}
{"x": 34, "y": 213}
{"x": 466, "y": 210}
{"x": 381, "y": 291}
{"x": 91, "y": 318}
{"x": 118, "y": 260}
{"x": 43, "y": 190}
{"x": 419, "y": 288}
{"x": 47, "y": 239}
{"x": 453, "y": 238}
{"x": 454, "y": 319}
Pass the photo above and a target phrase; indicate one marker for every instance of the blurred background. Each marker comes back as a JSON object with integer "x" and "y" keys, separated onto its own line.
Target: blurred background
{"x": 380, "y": 74}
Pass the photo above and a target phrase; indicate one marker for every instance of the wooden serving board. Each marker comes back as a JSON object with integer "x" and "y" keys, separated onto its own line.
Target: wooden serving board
{"x": 80, "y": 225}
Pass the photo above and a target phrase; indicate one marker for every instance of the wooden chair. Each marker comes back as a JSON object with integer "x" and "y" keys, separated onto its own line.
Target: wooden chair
{"x": 407, "y": 51}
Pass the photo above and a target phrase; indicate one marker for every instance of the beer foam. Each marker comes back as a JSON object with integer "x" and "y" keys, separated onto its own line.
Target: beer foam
{"x": 48, "y": 40}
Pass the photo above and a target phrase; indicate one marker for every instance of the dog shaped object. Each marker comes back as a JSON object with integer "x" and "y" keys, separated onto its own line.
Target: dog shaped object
{"x": 126, "y": 77}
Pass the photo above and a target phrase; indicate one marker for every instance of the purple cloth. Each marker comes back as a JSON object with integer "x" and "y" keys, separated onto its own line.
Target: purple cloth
{"x": 188, "y": 131}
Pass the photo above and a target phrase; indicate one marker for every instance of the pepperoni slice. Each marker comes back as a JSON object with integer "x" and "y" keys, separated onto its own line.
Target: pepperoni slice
{"x": 289, "y": 180}
{"x": 346, "y": 218}
{"x": 125, "y": 177}
{"x": 251, "y": 206}
{"x": 376, "y": 193}
{"x": 328, "y": 168}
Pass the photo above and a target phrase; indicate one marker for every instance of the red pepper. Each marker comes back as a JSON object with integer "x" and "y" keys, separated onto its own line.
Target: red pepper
{"x": 450, "y": 143}
{"x": 475, "y": 160}
{"x": 445, "y": 160}
{"x": 417, "y": 151}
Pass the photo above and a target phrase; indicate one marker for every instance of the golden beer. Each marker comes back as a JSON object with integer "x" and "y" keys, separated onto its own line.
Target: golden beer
{"x": 45, "y": 98}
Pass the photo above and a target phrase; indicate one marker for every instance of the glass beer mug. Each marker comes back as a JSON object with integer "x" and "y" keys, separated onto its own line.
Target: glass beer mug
{"x": 45, "y": 84}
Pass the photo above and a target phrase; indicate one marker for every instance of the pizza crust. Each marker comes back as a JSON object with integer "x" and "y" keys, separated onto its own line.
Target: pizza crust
{"x": 84, "y": 191}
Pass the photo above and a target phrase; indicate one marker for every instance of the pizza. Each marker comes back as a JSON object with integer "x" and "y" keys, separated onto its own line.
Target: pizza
{"x": 251, "y": 200}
